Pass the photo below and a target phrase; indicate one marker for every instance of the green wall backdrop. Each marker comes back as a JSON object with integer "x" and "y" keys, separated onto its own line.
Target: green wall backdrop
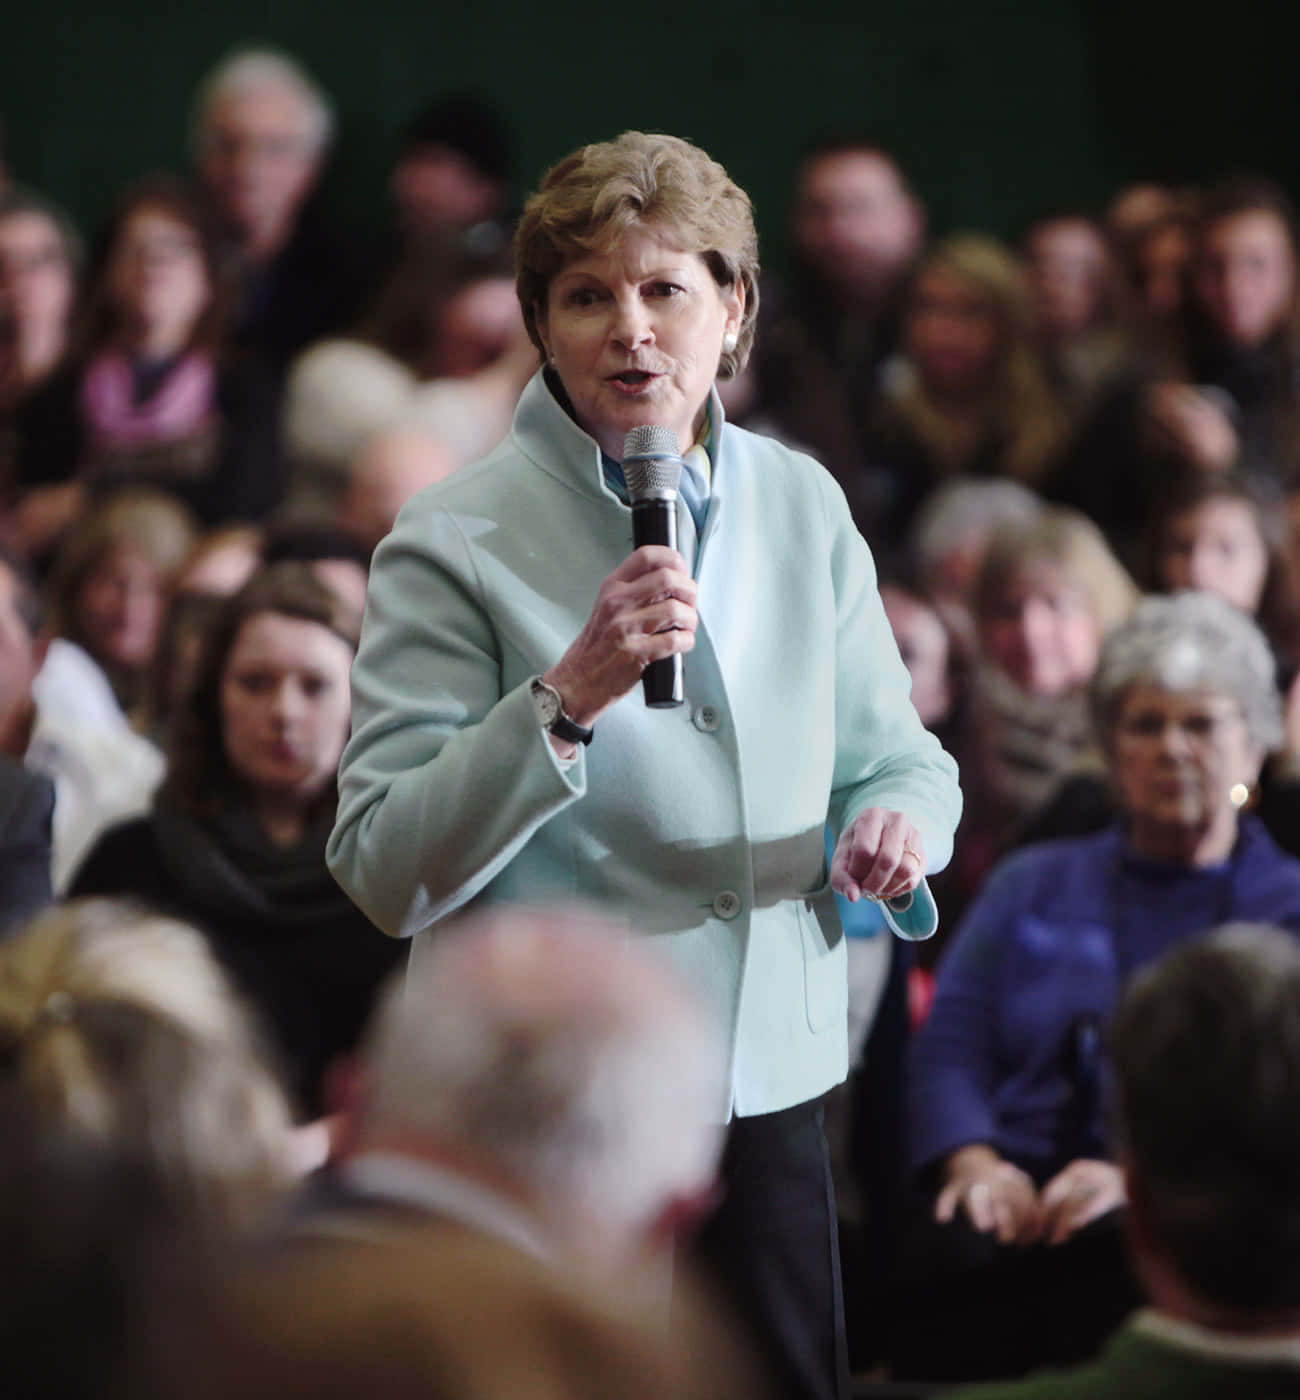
{"x": 1000, "y": 110}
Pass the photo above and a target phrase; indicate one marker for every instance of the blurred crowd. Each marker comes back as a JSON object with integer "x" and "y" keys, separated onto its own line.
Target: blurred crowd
{"x": 1077, "y": 461}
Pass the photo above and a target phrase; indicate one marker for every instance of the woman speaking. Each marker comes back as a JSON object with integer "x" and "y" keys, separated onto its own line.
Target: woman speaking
{"x": 501, "y": 746}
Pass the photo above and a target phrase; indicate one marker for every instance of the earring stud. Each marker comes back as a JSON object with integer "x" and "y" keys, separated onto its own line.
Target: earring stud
{"x": 729, "y": 342}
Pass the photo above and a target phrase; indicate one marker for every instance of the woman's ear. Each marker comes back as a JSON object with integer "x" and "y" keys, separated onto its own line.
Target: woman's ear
{"x": 733, "y": 298}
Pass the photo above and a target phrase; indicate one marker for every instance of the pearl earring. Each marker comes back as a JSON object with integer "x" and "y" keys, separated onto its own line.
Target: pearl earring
{"x": 729, "y": 342}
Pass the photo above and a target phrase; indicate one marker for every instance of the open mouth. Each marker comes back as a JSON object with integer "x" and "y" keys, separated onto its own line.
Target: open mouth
{"x": 632, "y": 378}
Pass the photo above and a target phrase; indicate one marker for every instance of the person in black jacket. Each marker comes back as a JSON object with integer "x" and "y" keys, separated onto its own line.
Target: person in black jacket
{"x": 236, "y": 840}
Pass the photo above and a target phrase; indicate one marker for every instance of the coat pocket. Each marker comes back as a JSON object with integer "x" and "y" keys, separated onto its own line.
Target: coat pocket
{"x": 825, "y": 978}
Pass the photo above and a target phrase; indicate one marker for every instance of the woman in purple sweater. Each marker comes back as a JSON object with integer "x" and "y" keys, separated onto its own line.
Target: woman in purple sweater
{"x": 1009, "y": 1135}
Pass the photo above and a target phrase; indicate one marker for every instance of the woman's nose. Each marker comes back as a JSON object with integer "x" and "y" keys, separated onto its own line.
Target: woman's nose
{"x": 285, "y": 703}
{"x": 632, "y": 323}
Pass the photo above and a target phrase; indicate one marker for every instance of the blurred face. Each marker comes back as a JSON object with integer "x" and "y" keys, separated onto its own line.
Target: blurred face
{"x": 260, "y": 160}
{"x": 953, "y": 336}
{"x": 923, "y": 645}
{"x": 36, "y": 283}
{"x": 476, "y": 327}
{"x": 1177, "y": 756}
{"x": 1067, "y": 266}
{"x": 1042, "y": 632}
{"x": 1217, "y": 548}
{"x": 1162, "y": 262}
{"x": 636, "y": 335}
{"x": 854, "y": 221}
{"x": 435, "y": 188}
{"x": 285, "y": 705}
{"x": 120, "y": 610}
{"x": 158, "y": 278}
{"x": 1245, "y": 276}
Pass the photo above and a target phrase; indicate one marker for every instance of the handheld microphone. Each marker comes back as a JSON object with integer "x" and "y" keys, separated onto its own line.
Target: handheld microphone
{"x": 652, "y": 469}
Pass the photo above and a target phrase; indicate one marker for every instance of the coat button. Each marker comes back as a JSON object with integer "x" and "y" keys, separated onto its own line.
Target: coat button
{"x": 706, "y": 718}
{"x": 727, "y": 904}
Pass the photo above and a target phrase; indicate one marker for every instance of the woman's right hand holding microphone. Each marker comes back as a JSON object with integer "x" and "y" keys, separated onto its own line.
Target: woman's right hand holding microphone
{"x": 644, "y": 611}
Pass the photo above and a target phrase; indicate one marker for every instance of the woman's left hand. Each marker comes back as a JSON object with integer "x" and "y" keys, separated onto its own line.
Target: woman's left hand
{"x": 1079, "y": 1194}
{"x": 879, "y": 853}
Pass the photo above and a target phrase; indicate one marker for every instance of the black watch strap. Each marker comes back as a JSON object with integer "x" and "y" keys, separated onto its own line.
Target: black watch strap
{"x": 570, "y": 731}
{"x": 550, "y": 709}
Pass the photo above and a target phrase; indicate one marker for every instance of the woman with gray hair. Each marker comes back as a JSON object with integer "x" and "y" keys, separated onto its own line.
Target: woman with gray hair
{"x": 501, "y": 745}
{"x": 1009, "y": 1127}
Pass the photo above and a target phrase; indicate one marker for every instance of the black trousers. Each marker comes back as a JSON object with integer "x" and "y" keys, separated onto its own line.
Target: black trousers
{"x": 772, "y": 1249}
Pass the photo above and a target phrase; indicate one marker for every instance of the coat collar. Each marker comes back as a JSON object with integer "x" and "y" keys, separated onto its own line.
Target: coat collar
{"x": 552, "y": 441}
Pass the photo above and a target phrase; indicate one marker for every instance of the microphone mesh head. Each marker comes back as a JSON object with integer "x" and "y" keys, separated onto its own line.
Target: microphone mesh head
{"x": 652, "y": 464}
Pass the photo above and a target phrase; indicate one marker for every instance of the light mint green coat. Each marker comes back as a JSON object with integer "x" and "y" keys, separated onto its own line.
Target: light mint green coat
{"x": 702, "y": 826}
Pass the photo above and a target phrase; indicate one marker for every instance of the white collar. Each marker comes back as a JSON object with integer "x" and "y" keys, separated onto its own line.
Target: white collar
{"x": 1222, "y": 1346}
{"x": 429, "y": 1186}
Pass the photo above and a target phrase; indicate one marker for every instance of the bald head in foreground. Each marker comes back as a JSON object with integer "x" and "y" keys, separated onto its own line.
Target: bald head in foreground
{"x": 557, "y": 1066}
{"x": 530, "y": 1131}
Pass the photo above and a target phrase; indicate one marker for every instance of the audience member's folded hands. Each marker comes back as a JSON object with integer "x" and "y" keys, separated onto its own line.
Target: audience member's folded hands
{"x": 998, "y": 1197}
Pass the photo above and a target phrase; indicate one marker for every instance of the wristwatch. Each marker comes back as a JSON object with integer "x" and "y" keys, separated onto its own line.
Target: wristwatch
{"x": 550, "y": 714}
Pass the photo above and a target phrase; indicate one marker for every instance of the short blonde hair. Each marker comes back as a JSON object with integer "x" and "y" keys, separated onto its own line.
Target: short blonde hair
{"x": 587, "y": 202}
{"x": 1073, "y": 544}
{"x": 118, "y": 1026}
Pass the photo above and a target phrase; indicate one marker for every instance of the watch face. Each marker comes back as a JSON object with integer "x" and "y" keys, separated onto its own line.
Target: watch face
{"x": 547, "y": 702}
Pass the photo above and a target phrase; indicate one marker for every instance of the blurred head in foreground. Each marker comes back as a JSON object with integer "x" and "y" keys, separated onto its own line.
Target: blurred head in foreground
{"x": 1206, "y": 1048}
{"x": 553, "y": 1059}
{"x": 118, "y": 1028}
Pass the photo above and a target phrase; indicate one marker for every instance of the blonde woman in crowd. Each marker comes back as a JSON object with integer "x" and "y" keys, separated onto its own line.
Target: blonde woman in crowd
{"x": 119, "y": 1027}
{"x": 968, "y": 396}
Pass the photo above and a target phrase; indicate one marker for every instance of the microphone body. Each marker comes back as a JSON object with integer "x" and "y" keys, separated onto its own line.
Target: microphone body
{"x": 652, "y": 468}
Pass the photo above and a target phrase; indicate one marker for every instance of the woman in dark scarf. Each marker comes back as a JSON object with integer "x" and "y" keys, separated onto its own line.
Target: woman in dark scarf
{"x": 236, "y": 839}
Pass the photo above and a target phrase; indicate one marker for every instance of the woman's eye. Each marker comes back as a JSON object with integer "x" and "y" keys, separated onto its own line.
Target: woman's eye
{"x": 664, "y": 289}
{"x": 582, "y": 296}
{"x": 314, "y": 686}
{"x": 255, "y": 682}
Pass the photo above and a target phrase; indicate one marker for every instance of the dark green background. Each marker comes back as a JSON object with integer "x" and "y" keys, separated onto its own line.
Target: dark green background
{"x": 1000, "y": 110}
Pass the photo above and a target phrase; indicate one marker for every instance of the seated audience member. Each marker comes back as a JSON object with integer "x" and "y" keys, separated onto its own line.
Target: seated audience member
{"x": 1206, "y": 1053}
{"x": 1214, "y": 535}
{"x": 261, "y": 132}
{"x": 969, "y": 396}
{"x": 855, "y": 228}
{"x": 1218, "y": 535}
{"x": 156, "y": 401}
{"x": 1009, "y": 1136}
{"x": 444, "y": 352}
{"x": 235, "y": 841}
{"x": 26, "y": 822}
{"x": 1157, "y": 263}
{"x": 120, "y": 1029}
{"x": 541, "y": 1082}
{"x": 1228, "y": 400}
{"x": 452, "y": 173}
{"x": 58, "y": 716}
{"x": 390, "y": 470}
{"x": 1074, "y": 287}
{"x": 109, "y": 585}
{"x": 1047, "y": 595}
{"x": 949, "y": 538}
{"x": 40, "y": 254}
